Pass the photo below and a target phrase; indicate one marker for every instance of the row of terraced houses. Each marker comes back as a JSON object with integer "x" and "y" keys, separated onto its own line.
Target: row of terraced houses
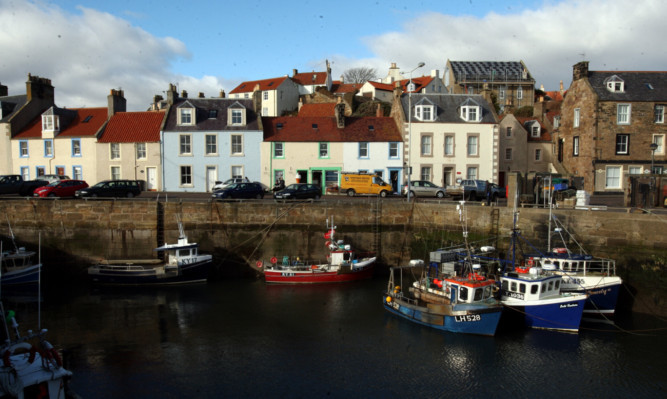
{"x": 606, "y": 126}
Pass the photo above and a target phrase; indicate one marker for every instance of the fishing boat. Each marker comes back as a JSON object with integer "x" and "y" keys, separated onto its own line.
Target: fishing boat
{"x": 342, "y": 265}
{"x": 18, "y": 265}
{"x": 451, "y": 294}
{"x": 182, "y": 265}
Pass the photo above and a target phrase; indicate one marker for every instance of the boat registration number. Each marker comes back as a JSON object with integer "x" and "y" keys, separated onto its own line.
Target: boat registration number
{"x": 284, "y": 274}
{"x": 515, "y": 295}
{"x": 467, "y": 317}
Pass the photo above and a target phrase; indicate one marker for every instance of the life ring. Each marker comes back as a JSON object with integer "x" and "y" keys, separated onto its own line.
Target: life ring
{"x": 259, "y": 264}
{"x": 530, "y": 262}
{"x": 274, "y": 260}
{"x": 475, "y": 276}
{"x": 22, "y": 345}
{"x": 313, "y": 267}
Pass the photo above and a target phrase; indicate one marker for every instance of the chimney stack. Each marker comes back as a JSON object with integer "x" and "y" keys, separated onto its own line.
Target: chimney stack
{"x": 116, "y": 102}
{"x": 40, "y": 89}
{"x": 379, "y": 112}
{"x": 561, "y": 87}
{"x": 3, "y": 90}
{"x": 172, "y": 94}
{"x": 201, "y": 95}
{"x": 294, "y": 72}
{"x": 184, "y": 94}
{"x": 580, "y": 70}
{"x": 222, "y": 94}
{"x": 339, "y": 113}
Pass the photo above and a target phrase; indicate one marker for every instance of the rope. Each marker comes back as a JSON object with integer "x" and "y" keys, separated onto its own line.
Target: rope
{"x": 10, "y": 382}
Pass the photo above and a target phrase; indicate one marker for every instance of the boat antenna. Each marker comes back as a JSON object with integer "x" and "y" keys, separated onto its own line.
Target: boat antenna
{"x": 464, "y": 225}
{"x": 11, "y": 233}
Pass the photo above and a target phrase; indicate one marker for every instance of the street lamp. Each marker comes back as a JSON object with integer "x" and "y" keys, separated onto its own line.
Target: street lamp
{"x": 411, "y": 88}
{"x": 654, "y": 146}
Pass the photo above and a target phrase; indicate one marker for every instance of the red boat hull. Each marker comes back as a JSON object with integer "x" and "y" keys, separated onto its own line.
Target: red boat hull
{"x": 317, "y": 277}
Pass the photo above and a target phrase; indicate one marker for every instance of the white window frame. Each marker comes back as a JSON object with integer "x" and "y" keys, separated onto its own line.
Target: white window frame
{"x": 519, "y": 93}
{"x": 535, "y": 130}
{"x": 77, "y": 172}
{"x": 393, "y": 150}
{"x": 501, "y": 93}
{"x": 426, "y": 145}
{"x": 612, "y": 179}
{"x": 425, "y": 113}
{"x": 623, "y": 112}
{"x": 76, "y": 148}
{"x": 48, "y": 148}
{"x": 323, "y": 150}
{"x": 185, "y": 176}
{"x": 50, "y": 123}
{"x": 279, "y": 149}
{"x": 659, "y": 139}
{"x": 449, "y": 144}
{"x": 576, "y": 118}
{"x": 211, "y": 144}
{"x": 115, "y": 173}
{"x": 141, "y": 150}
{"x": 425, "y": 173}
{"x": 186, "y": 116}
{"x": 114, "y": 151}
{"x": 471, "y": 173}
{"x": 659, "y": 114}
{"x": 237, "y": 117}
{"x": 635, "y": 170}
{"x": 364, "y": 149}
{"x": 470, "y": 113}
{"x": 185, "y": 144}
{"x": 24, "y": 149}
{"x": 575, "y": 146}
{"x": 622, "y": 146}
{"x": 237, "y": 171}
{"x": 237, "y": 146}
{"x": 538, "y": 155}
{"x": 472, "y": 145}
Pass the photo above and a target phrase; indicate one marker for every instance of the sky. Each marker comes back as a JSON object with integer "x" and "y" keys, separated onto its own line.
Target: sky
{"x": 87, "y": 48}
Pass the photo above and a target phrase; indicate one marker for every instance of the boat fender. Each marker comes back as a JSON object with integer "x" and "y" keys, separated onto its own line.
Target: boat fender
{"x": 530, "y": 262}
{"x": 388, "y": 299}
{"x": 260, "y": 264}
{"x": 274, "y": 260}
{"x": 313, "y": 267}
{"x": 56, "y": 356}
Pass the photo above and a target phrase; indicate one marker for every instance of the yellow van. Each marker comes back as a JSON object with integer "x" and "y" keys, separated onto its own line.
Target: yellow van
{"x": 353, "y": 183}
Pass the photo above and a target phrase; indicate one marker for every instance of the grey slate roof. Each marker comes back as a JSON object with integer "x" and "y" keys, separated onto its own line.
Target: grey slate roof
{"x": 447, "y": 107}
{"x": 489, "y": 70}
{"x": 203, "y": 107}
{"x": 11, "y": 104}
{"x": 639, "y": 86}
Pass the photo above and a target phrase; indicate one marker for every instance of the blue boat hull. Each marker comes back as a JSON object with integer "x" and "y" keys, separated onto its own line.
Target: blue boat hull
{"x": 601, "y": 301}
{"x": 188, "y": 274}
{"x": 564, "y": 316}
{"x": 483, "y": 322}
{"x": 29, "y": 275}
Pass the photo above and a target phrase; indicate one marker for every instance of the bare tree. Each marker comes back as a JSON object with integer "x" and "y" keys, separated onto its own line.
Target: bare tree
{"x": 359, "y": 75}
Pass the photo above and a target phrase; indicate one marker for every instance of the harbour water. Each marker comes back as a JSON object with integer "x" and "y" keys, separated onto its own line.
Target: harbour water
{"x": 241, "y": 338}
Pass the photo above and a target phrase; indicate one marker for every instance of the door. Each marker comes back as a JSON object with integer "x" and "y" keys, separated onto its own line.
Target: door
{"x": 211, "y": 177}
{"x": 393, "y": 177}
{"x": 316, "y": 178}
{"x": 151, "y": 178}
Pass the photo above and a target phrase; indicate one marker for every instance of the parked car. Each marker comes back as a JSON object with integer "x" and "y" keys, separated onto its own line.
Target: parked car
{"x": 424, "y": 188}
{"x": 240, "y": 190}
{"x": 299, "y": 191}
{"x": 63, "y": 188}
{"x": 111, "y": 188}
{"x": 219, "y": 185}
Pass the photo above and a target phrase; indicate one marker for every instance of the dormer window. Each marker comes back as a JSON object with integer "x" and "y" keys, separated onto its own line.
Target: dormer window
{"x": 615, "y": 84}
{"x": 425, "y": 111}
{"x": 51, "y": 122}
{"x": 470, "y": 111}
{"x": 186, "y": 115}
{"x": 236, "y": 114}
{"x": 535, "y": 131}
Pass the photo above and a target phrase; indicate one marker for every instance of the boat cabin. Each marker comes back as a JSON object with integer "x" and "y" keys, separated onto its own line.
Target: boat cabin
{"x": 16, "y": 260}
{"x": 530, "y": 286}
{"x": 462, "y": 290}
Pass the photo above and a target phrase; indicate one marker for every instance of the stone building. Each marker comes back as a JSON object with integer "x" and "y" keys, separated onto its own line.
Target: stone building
{"x": 609, "y": 121}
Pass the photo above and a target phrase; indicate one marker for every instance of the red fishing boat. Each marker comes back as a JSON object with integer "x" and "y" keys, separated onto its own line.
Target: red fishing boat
{"x": 342, "y": 264}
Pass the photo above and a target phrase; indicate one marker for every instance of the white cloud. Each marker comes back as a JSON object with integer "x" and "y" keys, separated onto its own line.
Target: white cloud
{"x": 87, "y": 54}
{"x": 610, "y": 34}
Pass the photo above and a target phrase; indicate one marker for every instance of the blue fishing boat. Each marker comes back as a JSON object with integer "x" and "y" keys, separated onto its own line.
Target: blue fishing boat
{"x": 19, "y": 266}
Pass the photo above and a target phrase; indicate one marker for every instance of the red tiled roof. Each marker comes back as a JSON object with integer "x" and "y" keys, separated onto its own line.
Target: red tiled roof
{"x": 86, "y": 123}
{"x": 266, "y": 84}
{"x": 314, "y": 129}
{"x": 339, "y": 88}
{"x": 556, "y": 95}
{"x": 310, "y": 78}
{"x": 133, "y": 127}
{"x": 324, "y": 109}
{"x": 420, "y": 83}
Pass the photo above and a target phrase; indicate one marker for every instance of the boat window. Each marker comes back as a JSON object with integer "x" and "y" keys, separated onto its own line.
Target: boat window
{"x": 557, "y": 284}
{"x": 576, "y": 266}
{"x": 463, "y": 294}
{"x": 513, "y": 286}
{"x": 544, "y": 287}
{"x": 557, "y": 264}
{"x": 522, "y": 288}
{"x": 505, "y": 285}
{"x": 551, "y": 285}
{"x": 479, "y": 292}
{"x": 534, "y": 288}
{"x": 488, "y": 291}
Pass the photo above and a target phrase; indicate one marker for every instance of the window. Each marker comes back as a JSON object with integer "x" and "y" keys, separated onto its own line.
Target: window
{"x": 279, "y": 150}
{"x": 186, "y": 175}
{"x": 426, "y": 145}
{"x": 659, "y": 114}
{"x": 501, "y": 93}
{"x": 77, "y": 172}
{"x": 363, "y": 150}
{"x": 115, "y": 173}
{"x": 393, "y": 150}
{"x": 519, "y": 93}
{"x": 25, "y": 173}
{"x": 185, "y": 116}
{"x": 237, "y": 171}
{"x": 575, "y": 122}
{"x": 211, "y": 144}
{"x": 508, "y": 154}
{"x": 472, "y": 146}
{"x": 425, "y": 173}
{"x": 324, "y": 150}
{"x": 622, "y": 144}
{"x": 535, "y": 131}
{"x": 615, "y": 84}
{"x": 659, "y": 140}
{"x": 635, "y": 170}
{"x": 556, "y": 122}
{"x": 76, "y": 147}
{"x": 575, "y": 146}
{"x": 470, "y": 113}
{"x": 613, "y": 179}
{"x": 449, "y": 145}
{"x": 508, "y": 132}
{"x": 114, "y": 150}
{"x": 424, "y": 112}
{"x": 48, "y": 148}
{"x": 237, "y": 144}
{"x": 265, "y": 95}
{"x": 237, "y": 117}
{"x": 538, "y": 154}
{"x": 40, "y": 171}
{"x": 471, "y": 173}
{"x": 185, "y": 147}
{"x": 623, "y": 114}
{"x": 50, "y": 122}
{"x": 23, "y": 149}
{"x": 141, "y": 150}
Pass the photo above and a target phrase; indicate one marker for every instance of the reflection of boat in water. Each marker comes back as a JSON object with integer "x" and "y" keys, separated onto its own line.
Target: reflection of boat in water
{"x": 18, "y": 265}
{"x": 342, "y": 265}
{"x": 183, "y": 265}
{"x": 450, "y": 294}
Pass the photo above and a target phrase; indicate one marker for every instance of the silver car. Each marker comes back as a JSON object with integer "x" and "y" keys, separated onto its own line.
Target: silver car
{"x": 424, "y": 188}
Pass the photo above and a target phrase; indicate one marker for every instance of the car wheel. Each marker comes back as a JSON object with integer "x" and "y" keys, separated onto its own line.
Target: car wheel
{"x": 130, "y": 195}
{"x": 94, "y": 195}
{"x": 259, "y": 196}
{"x": 317, "y": 196}
{"x": 350, "y": 193}
{"x": 440, "y": 194}
{"x": 383, "y": 193}
{"x": 51, "y": 195}
{"x": 412, "y": 193}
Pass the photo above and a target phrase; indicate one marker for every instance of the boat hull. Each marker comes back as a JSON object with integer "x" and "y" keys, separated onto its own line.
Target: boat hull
{"x": 473, "y": 320}
{"x": 317, "y": 276}
{"x": 185, "y": 274}
{"x": 28, "y": 275}
{"x": 602, "y": 293}
{"x": 560, "y": 314}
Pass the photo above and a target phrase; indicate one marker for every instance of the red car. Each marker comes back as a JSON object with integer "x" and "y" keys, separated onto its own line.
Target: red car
{"x": 63, "y": 188}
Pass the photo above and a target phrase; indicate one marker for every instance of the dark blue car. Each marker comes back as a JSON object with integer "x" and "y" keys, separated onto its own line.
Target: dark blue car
{"x": 240, "y": 191}
{"x": 299, "y": 191}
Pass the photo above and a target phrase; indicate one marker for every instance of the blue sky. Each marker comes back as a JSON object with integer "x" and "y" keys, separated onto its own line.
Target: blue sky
{"x": 89, "y": 47}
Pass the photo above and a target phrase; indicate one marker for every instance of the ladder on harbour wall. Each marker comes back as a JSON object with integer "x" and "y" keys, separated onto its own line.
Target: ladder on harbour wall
{"x": 376, "y": 214}
{"x": 159, "y": 228}
{"x": 495, "y": 225}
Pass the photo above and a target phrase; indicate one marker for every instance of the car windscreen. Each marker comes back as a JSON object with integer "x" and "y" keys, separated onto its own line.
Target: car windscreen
{"x": 292, "y": 187}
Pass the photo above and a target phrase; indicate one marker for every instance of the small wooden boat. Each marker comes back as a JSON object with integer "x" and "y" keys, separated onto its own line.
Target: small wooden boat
{"x": 342, "y": 265}
{"x": 183, "y": 265}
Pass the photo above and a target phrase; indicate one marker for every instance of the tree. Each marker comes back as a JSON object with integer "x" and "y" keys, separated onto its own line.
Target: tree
{"x": 359, "y": 75}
